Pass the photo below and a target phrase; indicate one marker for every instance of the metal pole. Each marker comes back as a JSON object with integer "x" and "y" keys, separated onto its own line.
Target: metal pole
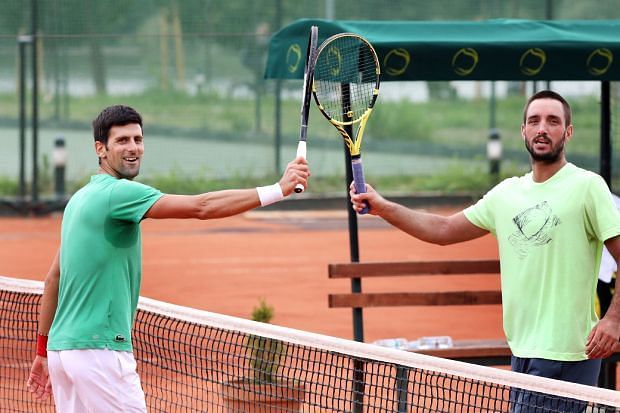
{"x": 56, "y": 63}
{"x": 278, "y": 126}
{"x": 278, "y": 102}
{"x": 22, "y": 42}
{"x": 494, "y": 144}
{"x": 605, "y": 161}
{"x": 65, "y": 84}
{"x": 549, "y": 16}
{"x": 35, "y": 104}
{"x": 603, "y": 289}
{"x": 549, "y": 9}
{"x": 356, "y": 283}
{"x": 356, "y": 286}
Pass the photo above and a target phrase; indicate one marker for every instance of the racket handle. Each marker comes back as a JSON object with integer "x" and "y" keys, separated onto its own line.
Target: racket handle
{"x": 301, "y": 151}
{"x": 359, "y": 181}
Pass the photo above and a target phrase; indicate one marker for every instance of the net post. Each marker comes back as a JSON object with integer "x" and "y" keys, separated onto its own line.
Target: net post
{"x": 402, "y": 384}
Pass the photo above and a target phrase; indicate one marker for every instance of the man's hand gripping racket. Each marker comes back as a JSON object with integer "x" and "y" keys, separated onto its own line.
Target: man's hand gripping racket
{"x": 345, "y": 87}
{"x": 306, "y": 95}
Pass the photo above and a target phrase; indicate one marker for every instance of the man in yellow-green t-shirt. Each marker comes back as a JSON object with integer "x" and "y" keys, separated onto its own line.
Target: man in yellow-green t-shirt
{"x": 550, "y": 225}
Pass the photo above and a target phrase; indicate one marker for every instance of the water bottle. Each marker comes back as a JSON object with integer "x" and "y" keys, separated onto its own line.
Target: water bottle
{"x": 434, "y": 342}
{"x": 398, "y": 343}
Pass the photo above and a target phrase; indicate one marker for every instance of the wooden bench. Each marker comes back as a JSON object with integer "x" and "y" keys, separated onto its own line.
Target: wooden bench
{"x": 391, "y": 269}
{"x": 492, "y": 352}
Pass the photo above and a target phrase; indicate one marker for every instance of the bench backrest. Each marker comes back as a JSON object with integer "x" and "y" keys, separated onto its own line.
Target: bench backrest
{"x": 412, "y": 268}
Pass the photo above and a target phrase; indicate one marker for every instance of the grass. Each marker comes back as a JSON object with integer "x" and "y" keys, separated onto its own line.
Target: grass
{"x": 443, "y": 121}
{"x": 452, "y": 180}
{"x": 8, "y": 186}
{"x": 433, "y": 127}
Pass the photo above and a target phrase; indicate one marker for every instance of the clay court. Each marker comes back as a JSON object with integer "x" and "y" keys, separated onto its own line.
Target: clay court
{"x": 226, "y": 266}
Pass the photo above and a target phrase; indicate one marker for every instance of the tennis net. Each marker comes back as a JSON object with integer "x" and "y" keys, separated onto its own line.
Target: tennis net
{"x": 196, "y": 361}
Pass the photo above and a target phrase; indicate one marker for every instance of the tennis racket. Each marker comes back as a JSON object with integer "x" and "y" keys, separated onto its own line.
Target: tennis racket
{"x": 306, "y": 95}
{"x": 345, "y": 88}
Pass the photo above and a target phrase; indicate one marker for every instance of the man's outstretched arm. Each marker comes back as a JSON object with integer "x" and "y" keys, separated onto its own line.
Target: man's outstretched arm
{"x": 225, "y": 203}
{"x": 433, "y": 228}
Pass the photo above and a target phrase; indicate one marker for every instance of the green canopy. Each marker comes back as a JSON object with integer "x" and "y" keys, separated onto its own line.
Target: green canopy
{"x": 502, "y": 49}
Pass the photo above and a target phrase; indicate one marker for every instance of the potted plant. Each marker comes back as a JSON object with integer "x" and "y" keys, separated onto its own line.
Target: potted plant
{"x": 263, "y": 390}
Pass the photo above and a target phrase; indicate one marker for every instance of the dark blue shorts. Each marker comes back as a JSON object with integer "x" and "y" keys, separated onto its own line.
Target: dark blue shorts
{"x": 582, "y": 372}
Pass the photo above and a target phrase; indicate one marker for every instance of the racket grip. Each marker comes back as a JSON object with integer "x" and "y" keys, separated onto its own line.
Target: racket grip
{"x": 301, "y": 151}
{"x": 359, "y": 181}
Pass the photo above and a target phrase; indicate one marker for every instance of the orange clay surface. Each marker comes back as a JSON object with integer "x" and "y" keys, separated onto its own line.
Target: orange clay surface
{"x": 226, "y": 266}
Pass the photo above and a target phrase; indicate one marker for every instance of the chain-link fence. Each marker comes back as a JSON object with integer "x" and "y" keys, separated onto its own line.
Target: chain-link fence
{"x": 194, "y": 69}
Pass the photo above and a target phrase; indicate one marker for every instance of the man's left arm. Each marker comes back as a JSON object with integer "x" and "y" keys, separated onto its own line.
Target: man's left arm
{"x": 604, "y": 339}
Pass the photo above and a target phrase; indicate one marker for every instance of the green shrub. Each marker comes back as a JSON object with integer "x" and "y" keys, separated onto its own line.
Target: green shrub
{"x": 8, "y": 186}
{"x": 266, "y": 352}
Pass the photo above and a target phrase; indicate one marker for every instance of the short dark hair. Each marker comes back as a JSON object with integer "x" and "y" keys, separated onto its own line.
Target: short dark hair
{"x": 117, "y": 115}
{"x": 549, "y": 94}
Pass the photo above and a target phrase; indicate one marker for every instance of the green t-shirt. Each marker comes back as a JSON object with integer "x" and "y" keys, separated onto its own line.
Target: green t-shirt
{"x": 550, "y": 238}
{"x": 100, "y": 264}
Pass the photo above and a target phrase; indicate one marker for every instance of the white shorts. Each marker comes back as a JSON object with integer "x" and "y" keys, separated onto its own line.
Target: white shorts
{"x": 95, "y": 381}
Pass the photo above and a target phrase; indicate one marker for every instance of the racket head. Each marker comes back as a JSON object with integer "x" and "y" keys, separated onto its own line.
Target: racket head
{"x": 346, "y": 78}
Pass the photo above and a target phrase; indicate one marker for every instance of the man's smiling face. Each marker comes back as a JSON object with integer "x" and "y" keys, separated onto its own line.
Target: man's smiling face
{"x": 122, "y": 154}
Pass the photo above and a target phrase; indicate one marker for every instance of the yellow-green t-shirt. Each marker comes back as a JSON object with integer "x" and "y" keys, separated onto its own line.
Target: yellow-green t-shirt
{"x": 100, "y": 264}
{"x": 550, "y": 238}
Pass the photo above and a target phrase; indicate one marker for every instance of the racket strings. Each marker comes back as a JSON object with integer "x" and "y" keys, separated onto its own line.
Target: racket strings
{"x": 345, "y": 78}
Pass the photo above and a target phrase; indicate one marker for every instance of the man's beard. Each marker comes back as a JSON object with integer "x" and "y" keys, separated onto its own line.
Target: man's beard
{"x": 129, "y": 174}
{"x": 548, "y": 157}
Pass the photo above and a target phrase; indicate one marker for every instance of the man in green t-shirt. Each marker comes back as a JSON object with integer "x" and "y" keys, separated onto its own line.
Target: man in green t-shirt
{"x": 92, "y": 288}
{"x": 550, "y": 225}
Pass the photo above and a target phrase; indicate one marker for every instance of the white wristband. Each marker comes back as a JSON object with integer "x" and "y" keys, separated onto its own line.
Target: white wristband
{"x": 269, "y": 194}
